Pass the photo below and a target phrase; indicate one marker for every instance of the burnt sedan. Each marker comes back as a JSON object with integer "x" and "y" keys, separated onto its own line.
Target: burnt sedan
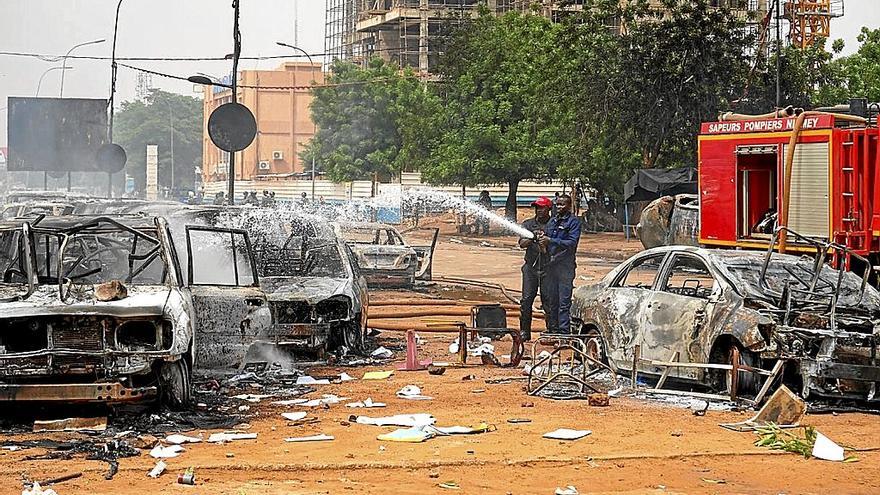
{"x": 695, "y": 305}
{"x": 384, "y": 257}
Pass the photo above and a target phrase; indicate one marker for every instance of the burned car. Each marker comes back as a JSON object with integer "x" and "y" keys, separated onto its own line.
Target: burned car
{"x": 695, "y": 306}
{"x": 316, "y": 291}
{"x": 98, "y": 309}
{"x": 384, "y": 257}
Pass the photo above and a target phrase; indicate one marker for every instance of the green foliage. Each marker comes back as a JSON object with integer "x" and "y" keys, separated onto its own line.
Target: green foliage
{"x": 775, "y": 438}
{"x": 855, "y": 76}
{"x": 498, "y": 124}
{"x": 139, "y": 123}
{"x": 801, "y": 71}
{"x": 363, "y": 117}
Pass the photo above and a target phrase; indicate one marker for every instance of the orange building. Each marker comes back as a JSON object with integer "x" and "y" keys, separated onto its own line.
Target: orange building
{"x": 284, "y": 122}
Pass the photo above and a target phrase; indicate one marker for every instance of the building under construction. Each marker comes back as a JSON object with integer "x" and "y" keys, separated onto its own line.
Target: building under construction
{"x": 405, "y": 32}
{"x": 402, "y": 31}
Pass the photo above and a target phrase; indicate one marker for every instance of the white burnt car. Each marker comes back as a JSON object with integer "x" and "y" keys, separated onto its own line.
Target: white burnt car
{"x": 385, "y": 258}
{"x": 104, "y": 309}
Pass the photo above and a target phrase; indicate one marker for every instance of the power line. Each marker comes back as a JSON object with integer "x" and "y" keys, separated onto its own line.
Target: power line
{"x": 54, "y": 58}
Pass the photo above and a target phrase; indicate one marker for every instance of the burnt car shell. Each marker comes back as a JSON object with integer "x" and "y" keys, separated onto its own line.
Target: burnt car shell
{"x": 701, "y": 313}
{"x": 384, "y": 257}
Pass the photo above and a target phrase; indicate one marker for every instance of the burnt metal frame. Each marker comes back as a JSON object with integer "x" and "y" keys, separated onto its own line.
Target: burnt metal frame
{"x": 26, "y": 248}
{"x": 232, "y": 233}
{"x": 839, "y": 252}
{"x": 579, "y": 359}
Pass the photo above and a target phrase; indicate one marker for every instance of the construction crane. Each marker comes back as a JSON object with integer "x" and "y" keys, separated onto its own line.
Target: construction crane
{"x": 810, "y": 20}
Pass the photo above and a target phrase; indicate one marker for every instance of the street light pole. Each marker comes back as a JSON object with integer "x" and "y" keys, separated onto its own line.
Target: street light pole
{"x": 37, "y": 93}
{"x": 312, "y": 64}
{"x": 64, "y": 58}
{"x": 112, "y": 93}
{"x": 236, "y": 53}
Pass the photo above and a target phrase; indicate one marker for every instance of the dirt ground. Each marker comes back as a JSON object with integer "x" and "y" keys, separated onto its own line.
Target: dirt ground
{"x": 635, "y": 446}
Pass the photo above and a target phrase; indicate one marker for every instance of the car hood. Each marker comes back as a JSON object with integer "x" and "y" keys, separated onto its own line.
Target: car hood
{"x": 309, "y": 289}
{"x": 142, "y": 300}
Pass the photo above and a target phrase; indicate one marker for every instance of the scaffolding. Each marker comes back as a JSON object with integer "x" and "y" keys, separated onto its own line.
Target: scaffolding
{"x": 810, "y": 20}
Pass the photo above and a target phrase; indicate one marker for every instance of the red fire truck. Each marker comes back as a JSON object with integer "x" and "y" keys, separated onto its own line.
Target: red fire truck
{"x": 834, "y": 183}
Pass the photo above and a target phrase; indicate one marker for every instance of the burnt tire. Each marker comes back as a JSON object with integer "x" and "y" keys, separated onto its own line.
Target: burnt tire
{"x": 175, "y": 384}
{"x": 747, "y": 383}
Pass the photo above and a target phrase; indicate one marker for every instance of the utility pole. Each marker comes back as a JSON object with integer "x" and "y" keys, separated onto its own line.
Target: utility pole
{"x": 112, "y": 94}
{"x": 236, "y": 53}
{"x": 778, "y": 54}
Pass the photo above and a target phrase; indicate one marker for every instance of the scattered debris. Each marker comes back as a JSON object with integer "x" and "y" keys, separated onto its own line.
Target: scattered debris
{"x": 162, "y": 452}
{"x": 289, "y": 402}
{"x": 598, "y": 399}
{"x": 824, "y": 448}
{"x": 412, "y": 392}
{"x": 776, "y": 438}
{"x": 37, "y": 490}
{"x": 345, "y": 377}
{"x": 294, "y": 416}
{"x": 528, "y": 404}
{"x": 368, "y": 403}
{"x": 784, "y": 409}
{"x": 567, "y": 434}
{"x": 714, "y": 482}
{"x": 409, "y": 435}
{"x": 478, "y": 390}
{"x": 314, "y": 438}
{"x": 419, "y": 419}
{"x": 436, "y": 370}
{"x": 462, "y": 430}
{"x": 381, "y": 353}
{"x": 55, "y": 481}
{"x": 377, "y": 375}
{"x": 252, "y": 398}
{"x": 519, "y": 420}
{"x": 158, "y": 469}
{"x": 326, "y": 399}
{"x": 449, "y": 485}
{"x": 181, "y": 439}
{"x": 113, "y": 290}
{"x": 467, "y": 378}
{"x": 230, "y": 437}
{"x": 71, "y": 424}
{"x": 568, "y": 490}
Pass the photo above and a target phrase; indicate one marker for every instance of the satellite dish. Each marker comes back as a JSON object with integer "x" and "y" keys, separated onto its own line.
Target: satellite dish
{"x": 111, "y": 158}
{"x": 232, "y": 127}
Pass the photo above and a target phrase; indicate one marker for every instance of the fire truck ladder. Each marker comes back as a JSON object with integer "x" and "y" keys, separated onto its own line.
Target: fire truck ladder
{"x": 853, "y": 234}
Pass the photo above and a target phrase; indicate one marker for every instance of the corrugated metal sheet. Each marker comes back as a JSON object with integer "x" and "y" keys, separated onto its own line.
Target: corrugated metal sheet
{"x": 809, "y": 213}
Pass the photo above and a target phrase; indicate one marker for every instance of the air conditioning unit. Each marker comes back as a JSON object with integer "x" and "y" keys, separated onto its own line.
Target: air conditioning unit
{"x": 277, "y": 155}
{"x": 264, "y": 165}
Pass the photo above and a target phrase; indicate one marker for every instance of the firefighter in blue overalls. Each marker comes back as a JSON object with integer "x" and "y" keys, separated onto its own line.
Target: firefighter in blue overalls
{"x": 560, "y": 240}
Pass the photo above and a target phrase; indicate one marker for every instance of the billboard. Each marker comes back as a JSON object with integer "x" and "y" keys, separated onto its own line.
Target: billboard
{"x": 56, "y": 134}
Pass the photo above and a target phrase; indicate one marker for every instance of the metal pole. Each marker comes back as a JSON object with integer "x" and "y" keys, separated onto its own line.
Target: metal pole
{"x": 64, "y": 59}
{"x": 778, "y": 55}
{"x": 236, "y": 53}
{"x": 40, "y": 82}
{"x": 171, "y": 121}
{"x": 313, "y": 177}
{"x": 112, "y": 93}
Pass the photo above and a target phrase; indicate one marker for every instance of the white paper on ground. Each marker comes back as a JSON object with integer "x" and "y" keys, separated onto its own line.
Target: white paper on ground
{"x": 313, "y": 438}
{"x": 345, "y": 377}
{"x": 181, "y": 439}
{"x": 160, "y": 452}
{"x": 308, "y": 380}
{"x": 419, "y": 419}
{"x": 825, "y": 449}
{"x": 251, "y": 397}
{"x": 381, "y": 353}
{"x": 158, "y": 469}
{"x": 230, "y": 436}
{"x": 368, "y": 403}
{"x": 412, "y": 392}
{"x": 569, "y": 490}
{"x": 328, "y": 399}
{"x": 294, "y": 416}
{"x": 567, "y": 434}
{"x": 289, "y": 402}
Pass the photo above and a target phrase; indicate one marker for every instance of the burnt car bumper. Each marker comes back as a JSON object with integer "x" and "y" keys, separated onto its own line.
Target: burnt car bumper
{"x": 307, "y": 336}
{"x": 845, "y": 367}
{"x": 389, "y": 277}
{"x": 75, "y": 392}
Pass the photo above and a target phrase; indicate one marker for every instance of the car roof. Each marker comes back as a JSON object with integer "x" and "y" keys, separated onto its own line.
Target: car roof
{"x": 66, "y": 222}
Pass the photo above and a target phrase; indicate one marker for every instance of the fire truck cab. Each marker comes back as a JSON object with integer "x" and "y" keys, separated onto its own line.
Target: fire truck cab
{"x": 835, "y": 182}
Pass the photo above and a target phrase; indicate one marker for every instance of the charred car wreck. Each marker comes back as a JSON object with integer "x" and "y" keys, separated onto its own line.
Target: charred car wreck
{"x": 694, "y": 305}
{"x": 384, "y": 257}
{"x": 98, "y": 308}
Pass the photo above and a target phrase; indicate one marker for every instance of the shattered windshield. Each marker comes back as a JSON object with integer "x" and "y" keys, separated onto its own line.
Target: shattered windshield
{"x": 296, "y": 259}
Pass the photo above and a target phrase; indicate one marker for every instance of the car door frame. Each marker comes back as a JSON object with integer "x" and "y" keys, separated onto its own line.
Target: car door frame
{"x": 674, "y": 322}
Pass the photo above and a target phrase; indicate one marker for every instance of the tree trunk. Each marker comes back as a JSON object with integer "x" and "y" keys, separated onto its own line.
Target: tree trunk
{"x": 510, "y": 205}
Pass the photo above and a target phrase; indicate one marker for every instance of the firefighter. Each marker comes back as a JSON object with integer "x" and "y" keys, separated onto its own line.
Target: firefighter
{"x": 560, "y": 240}
{"x": 532, "y": 269}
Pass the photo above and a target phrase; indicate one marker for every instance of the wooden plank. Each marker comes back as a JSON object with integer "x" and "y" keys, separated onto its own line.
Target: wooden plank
{"x": 665, "y": 374}
{"x": 777, "y": 368}
{"x": 688, "y": 365}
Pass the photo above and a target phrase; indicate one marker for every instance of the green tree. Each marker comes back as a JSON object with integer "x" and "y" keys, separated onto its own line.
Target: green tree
{"x": 367, "y": 119}
{"x": 802, "y": 71}
{"x": 139, "y": 123}
{"x": 854, "y": 76}
{"x": 498, "y": 123}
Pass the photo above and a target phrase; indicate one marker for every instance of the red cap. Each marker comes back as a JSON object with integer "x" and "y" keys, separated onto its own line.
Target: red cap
{"x": 543, "y": 202}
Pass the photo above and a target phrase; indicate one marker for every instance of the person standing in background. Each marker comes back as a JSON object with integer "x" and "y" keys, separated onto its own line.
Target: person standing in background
{"x": 561, "y": 242}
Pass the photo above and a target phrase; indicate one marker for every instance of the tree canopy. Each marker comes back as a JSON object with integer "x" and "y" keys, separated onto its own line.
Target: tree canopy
{"x": 139, "y": 123}
{"x": 363, "y": 115}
